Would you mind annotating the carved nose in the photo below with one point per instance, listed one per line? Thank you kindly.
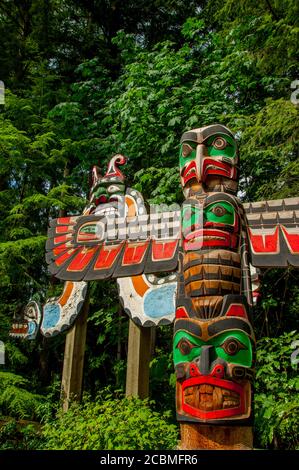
(205, 359)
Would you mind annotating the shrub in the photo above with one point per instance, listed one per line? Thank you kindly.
(15, 398)
(111, 423)
(18, 435)
(276, 399)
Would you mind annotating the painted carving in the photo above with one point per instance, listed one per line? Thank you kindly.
(60, 313)
(214, 364)
(214, 340)
(27, 322)
(149, 300)
(210, 252)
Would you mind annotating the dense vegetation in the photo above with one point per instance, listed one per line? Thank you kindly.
(85, 80)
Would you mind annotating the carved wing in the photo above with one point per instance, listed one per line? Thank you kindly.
(273, 228)
(147, 299)
(91, 247)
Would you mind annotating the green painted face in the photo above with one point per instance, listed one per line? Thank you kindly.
(233, 346)
(217, 145)
(215, 157)
(221, 145)
(109, 190)
(187, 153)
(221, 212)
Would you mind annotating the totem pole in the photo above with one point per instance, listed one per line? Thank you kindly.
(214, 341)
(207, 246)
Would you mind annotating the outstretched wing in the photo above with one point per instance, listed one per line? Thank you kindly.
(147, 299)
(273, 228)
(91, 247)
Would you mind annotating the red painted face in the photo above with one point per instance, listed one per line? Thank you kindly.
(213, 360)
(215, 224)
(209, 157)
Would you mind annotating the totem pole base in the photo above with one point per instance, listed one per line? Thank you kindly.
(204, 437)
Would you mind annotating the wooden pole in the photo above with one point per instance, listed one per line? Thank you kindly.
(200, 436)
(140, 345)
(73, 362)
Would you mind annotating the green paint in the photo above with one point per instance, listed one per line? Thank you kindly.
(229, 151)
(88, 229)
(183, 160)
(221, 212)
(243, 357)
(226, 214)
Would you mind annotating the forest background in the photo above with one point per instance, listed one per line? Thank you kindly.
(86, 80)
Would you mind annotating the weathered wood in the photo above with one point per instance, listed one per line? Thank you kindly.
(199, 436)
(73, 363)
(140, 345)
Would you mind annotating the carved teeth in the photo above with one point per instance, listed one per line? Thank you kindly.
(208, 397)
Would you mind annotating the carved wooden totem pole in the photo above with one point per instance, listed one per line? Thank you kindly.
(210, 247)
(213, 336)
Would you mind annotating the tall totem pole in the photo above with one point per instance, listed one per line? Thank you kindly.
(214, 341)
(207, 245)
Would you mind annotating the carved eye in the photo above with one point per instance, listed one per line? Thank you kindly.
(113, 189)
(232, 346)
(186, 150)
(185, 346)
(219, 211)
(219, 143)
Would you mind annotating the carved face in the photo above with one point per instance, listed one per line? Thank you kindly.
(208, 160)
(106, 191)
(110, 187)
(213, 361)
(26, 323)
(213, 222)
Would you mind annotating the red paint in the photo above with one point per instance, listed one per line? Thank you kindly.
(193, 370)
(102, 199)
(216, 414)
(63, 229)
(60, 249)
(134, 253)
(163, 250)
(113, 169)
(181, 313)
(226, 239)
(82, 259)
(292, 240)
(222, 169)
(236, 310)
(193, 172)
(64, 257)
(268, 243)
(62, 238)
(66, 220)
(107, 256)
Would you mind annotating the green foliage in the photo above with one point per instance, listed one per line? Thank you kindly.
(85, 80)
(19, 435)
(15, 398)
(277, 398)
(111, 424)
